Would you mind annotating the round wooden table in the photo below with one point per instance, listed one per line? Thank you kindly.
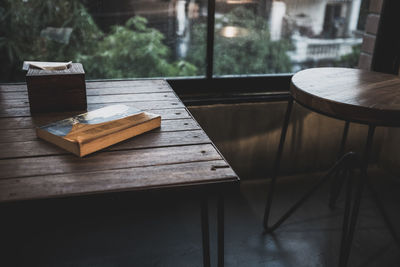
(351, 95)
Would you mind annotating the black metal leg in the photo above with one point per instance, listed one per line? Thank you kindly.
(339, 166)
(205, 232)
(345, 251)
(344, 139)
(346, 215)
(336, 187)
(338, 181)
(277, 164)
(342, 163)
(221, 226)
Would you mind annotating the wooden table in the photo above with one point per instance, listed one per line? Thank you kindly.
(351, 95)
(354, 95)
(178, 155)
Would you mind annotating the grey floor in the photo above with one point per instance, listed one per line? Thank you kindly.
(163, 229)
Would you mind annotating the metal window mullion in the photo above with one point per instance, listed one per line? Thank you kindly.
(210, 39)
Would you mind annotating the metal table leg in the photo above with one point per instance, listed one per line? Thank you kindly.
(348, 235)
(346, 215)
(221, 226)
(340, 165)
(343, 167)
(276, 166)
(338, 181)
(205, 232)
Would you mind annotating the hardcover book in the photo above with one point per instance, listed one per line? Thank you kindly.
(86, 133)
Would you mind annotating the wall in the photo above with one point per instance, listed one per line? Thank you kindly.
(369, 38)
(248, 135)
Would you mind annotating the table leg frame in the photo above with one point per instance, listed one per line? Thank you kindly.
(337, 168)
(338, 181)
(205, 229)
(205, 232)
(348, 235)
(344, 166)
(221, 229)
(275, 169)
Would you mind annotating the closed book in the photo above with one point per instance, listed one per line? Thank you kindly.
(89, 132)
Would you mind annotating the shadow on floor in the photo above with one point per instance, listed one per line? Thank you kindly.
(163, 229)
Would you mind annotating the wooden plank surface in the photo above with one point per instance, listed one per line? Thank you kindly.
(29, 134)
(35, 166)
(149, 84)
(178, 153)
(130, 179)
(23, 93)
(139, 86)
(40, 120)
(36, 148)
(11, 111)
(101, 99)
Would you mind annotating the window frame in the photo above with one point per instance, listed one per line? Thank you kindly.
(274, 87)
(386, 54)
(229, 88)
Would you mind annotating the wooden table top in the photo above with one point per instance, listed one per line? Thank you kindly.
(350, 94)
(177, 154)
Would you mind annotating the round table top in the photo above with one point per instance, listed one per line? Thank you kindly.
(349, 94)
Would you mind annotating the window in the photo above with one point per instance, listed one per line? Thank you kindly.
(168, 38)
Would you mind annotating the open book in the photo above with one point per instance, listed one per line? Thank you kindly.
(86, 133)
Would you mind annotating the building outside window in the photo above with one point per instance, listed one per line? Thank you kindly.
(168, 38)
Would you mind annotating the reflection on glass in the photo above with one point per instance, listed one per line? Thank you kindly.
(112, 39)
(241, 2)
(233, 31)
(286, 35)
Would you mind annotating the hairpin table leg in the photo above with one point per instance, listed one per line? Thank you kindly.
(205, 232)
(220, 222)
(348, 239)
(338, 180)
(276, 165)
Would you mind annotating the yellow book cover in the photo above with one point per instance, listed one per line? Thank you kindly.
(86, 133)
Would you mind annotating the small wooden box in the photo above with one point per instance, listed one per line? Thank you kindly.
(57, 90)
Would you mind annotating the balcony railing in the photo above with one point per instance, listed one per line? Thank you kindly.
(314, 49)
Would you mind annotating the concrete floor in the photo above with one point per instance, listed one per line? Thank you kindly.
(163, 229)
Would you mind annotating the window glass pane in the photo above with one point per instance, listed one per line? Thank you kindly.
(112, 39)
(272, 36)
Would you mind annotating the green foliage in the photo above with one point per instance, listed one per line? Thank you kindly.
(350, 60)
(252, 52)
(132, 50)
(21, 23)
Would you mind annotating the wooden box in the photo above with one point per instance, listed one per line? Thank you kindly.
(57, 90)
